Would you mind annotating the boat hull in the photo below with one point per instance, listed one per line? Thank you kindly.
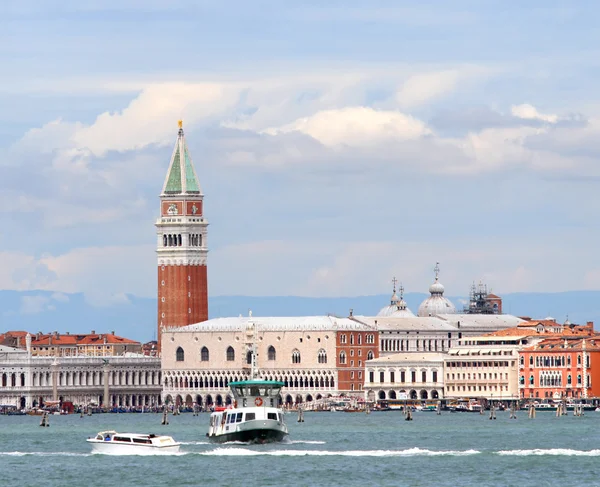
(112, 448)
(250, 436)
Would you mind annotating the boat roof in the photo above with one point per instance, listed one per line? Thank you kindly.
(257, 382)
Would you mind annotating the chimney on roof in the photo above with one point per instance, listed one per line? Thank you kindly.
(68, 333)
(93, 332)
(351, 311)
(112, 332)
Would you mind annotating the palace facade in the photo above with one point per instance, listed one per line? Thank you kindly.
(315, 356)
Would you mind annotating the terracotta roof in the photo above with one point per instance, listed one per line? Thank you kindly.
(531, 331)
(88, 339)
(493, 296)
(591, 343)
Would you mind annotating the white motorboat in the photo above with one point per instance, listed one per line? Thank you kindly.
(113, 443)
(255, 415)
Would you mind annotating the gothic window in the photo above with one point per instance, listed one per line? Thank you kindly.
(342, 338)
(531, 380)
(578, 359)
(342, 357)
(359, 339)
(179, 354)
(249, 357)
(522, 380)
(351, 338)
(322, 356)
(296, 357)
(271, 354)
(423, 376)
(370, 355)
(230, 354)
(579, 380)
(204, 354)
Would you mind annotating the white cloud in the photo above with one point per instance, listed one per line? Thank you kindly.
(529, 112)
(422, 88)
(356, 126)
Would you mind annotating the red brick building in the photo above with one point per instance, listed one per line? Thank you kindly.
(353, 349)
(181, 249)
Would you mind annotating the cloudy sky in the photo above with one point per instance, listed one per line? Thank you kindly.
(337, 146)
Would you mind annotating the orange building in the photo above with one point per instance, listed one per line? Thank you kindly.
(353, 349)
(564, 366)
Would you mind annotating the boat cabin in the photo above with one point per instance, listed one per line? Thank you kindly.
(256, 393)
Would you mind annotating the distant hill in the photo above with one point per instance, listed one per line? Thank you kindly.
(136, 317)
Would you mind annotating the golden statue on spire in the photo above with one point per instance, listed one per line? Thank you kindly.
(180, 123)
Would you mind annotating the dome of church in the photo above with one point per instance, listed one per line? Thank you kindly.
(397, 307)
(436, 304)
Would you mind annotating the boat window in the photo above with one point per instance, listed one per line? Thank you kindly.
(281, 417)
(231, 418)
(122, 438)
(238, 419)
(272, 416)
(240, 391)
(142, 440)
(254, 391)
(250, 416)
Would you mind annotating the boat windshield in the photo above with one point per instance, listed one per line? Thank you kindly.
(257, 390)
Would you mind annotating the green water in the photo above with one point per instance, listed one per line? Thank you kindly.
(349, 449)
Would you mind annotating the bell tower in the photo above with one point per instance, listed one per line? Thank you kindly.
(181, 246)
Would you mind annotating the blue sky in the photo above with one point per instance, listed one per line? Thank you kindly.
(337, 145)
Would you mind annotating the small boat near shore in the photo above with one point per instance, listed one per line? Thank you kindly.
(113, 443)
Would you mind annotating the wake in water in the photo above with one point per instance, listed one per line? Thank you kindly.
(552, 451)
(347, 453)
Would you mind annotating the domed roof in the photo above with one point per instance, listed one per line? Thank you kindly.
(397, 307)
(436, 303)
(436, 287)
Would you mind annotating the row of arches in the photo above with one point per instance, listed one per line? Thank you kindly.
(307, 381)
(96, 378)
(413, 345)
(225, 400)
(175, 240)
(13, 380)
(411, 394)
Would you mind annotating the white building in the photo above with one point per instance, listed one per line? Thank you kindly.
(28, 381)
(405, 376)
(433, 333)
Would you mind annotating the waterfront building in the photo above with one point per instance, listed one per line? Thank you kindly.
(405, 376)
(28, 381)
(564, 366)
(315, 356)
(491, 366)
(432, 333)
(181, 244)
(77, 345)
